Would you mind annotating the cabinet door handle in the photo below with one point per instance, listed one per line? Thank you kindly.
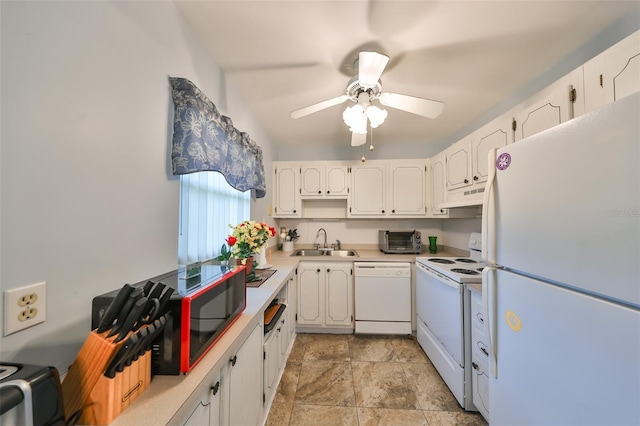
(328, 192)
(393, 211)
(476, 178)
(474, 365)
(294, 211)
(382, 211)
(215, 388)
(328, 270)
(318, 270)
(233, 360)
(466, 181)
(319, 192)
(484, 351)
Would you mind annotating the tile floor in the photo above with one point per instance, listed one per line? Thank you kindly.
(363, 380)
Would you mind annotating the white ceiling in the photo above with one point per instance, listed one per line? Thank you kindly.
(285, 55)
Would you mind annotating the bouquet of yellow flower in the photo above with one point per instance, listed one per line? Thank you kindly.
(248, 237)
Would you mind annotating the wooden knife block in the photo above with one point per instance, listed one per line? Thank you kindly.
(86, 388)
(90, 364)
(110, 396)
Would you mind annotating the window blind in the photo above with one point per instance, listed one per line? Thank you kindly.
(208, 205)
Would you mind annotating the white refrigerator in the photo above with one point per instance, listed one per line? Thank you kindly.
(561, 238)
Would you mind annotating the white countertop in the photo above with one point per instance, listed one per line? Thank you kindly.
(168, 398)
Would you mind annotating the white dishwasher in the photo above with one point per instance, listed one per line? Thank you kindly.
(382, 297)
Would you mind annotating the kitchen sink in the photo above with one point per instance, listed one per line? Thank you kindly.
(336, 253)
(308, 252)
(342, 253)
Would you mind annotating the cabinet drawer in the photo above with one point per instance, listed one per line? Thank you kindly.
(480, 351)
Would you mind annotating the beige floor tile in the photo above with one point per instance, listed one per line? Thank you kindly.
(288, 385)
(364, 380)
(279, 414)
(368, 348)
(321, 415)
(450, 418)
(390, 417)
(431, 391)
(382, 385)
(408, 349)
(299, 347)
(327, 347)
(325, 383)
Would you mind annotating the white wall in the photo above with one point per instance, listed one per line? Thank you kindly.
(88, 200)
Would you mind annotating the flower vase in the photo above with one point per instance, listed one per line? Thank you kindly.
(261, 257)
(248, 262)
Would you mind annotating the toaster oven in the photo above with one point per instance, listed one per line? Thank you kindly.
(202, 308)
(30, 395)
(404, 242)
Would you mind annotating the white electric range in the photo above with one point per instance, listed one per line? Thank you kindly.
(443, 309)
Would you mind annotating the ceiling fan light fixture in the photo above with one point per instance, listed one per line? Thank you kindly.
(376, 115)
(355, 118)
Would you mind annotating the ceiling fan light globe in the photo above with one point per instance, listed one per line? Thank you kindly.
(355, 118)
(376, 115)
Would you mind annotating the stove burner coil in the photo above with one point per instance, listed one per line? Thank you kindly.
(464, 271)
(443, 261)
(466, 261)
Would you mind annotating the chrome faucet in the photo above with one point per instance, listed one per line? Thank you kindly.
(337, 245)
(325, 236)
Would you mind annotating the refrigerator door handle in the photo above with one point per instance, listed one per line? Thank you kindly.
(488, 212)
(488, 302)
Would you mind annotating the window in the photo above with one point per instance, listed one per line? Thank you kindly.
(208, 205)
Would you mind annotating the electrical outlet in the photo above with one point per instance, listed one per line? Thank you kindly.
(24, 307)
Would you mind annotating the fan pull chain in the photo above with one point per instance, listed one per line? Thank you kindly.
(371, 148)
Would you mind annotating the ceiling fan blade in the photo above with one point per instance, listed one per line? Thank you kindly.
(318, 107)
(358, 139)
(419, 106)
(370, 67)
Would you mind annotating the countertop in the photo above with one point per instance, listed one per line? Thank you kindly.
(168, 399)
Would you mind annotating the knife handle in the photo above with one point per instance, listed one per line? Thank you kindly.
(147, 287)
(126, 308)
(112, 311)
(164, 300)
(132, 318)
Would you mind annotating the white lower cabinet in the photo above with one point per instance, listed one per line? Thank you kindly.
(273, 356)
(325, 294)
(234, 396)
(245, 381)
(200, 414)
(479, 355)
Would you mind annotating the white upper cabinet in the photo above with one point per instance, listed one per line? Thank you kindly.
(286, 194)
(324, 179)
(467, 162)
(458, 159)
(496, 134)
(438, 170)
(367, 197)
(557, 103)
(613, 74)
(407, 188)
(395, 188)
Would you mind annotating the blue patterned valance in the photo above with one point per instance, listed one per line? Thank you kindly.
(205, 140)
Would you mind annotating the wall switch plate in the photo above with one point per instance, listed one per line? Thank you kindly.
(24, 307)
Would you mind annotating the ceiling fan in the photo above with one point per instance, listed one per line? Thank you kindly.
(366, 88)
